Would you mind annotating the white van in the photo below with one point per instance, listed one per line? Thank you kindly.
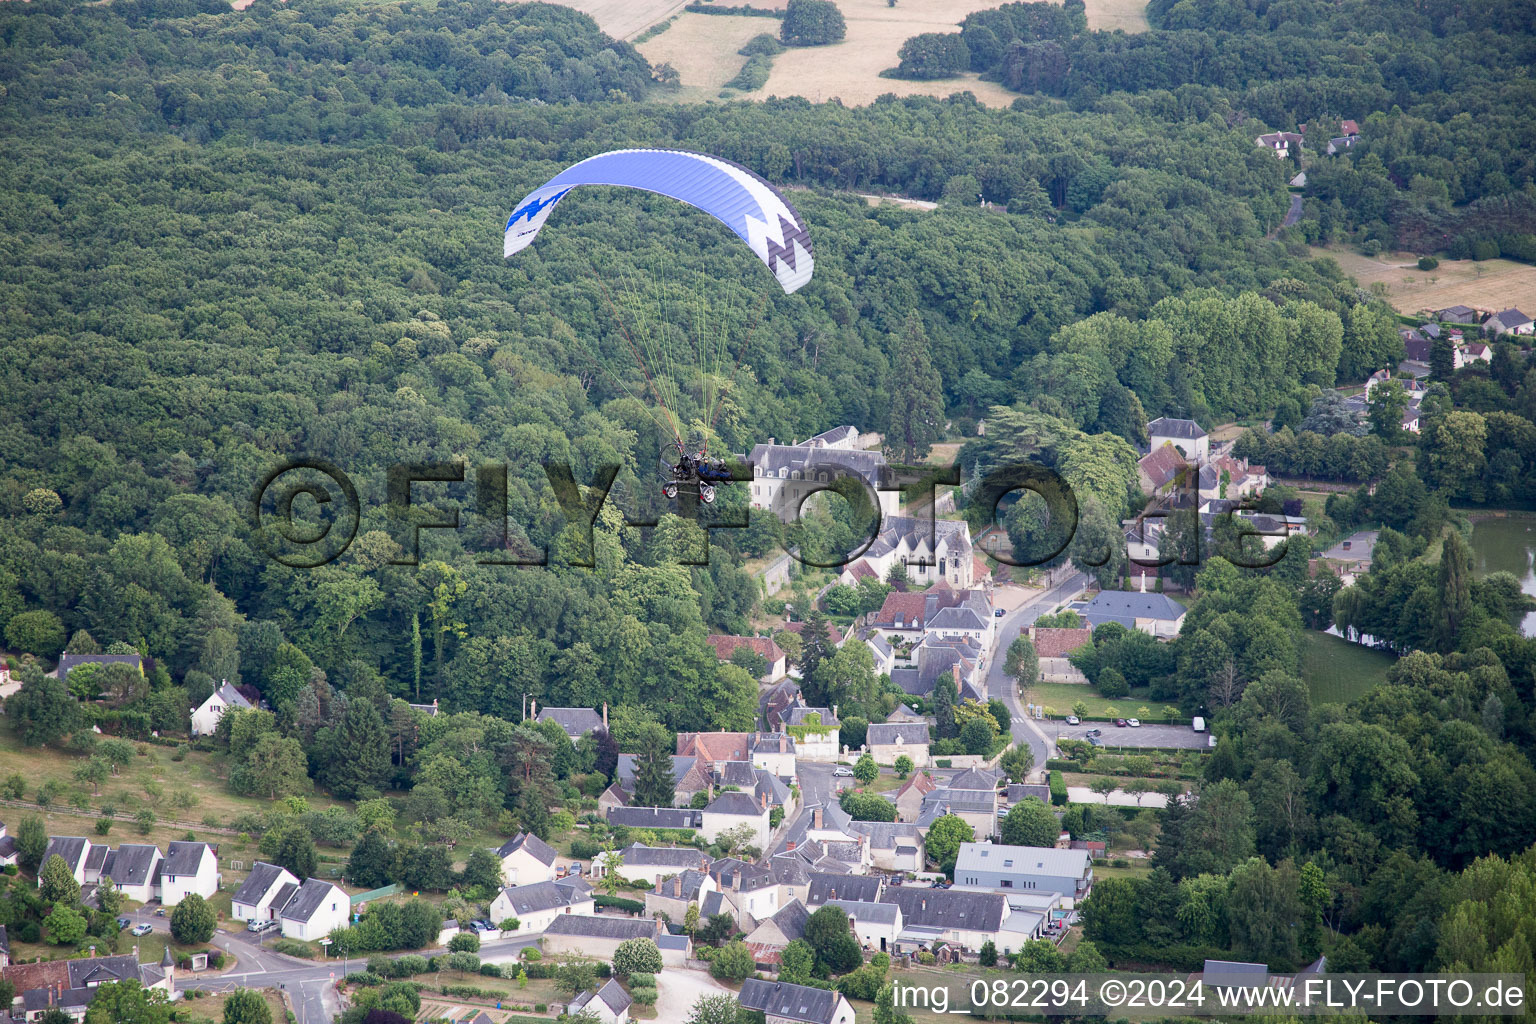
(1198, 723)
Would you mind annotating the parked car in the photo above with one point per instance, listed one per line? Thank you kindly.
(1074, 720)
(159, 911)
(1093, 733)
(1120, 723)
(842, 773)
(1134, 723)
(1094, 741)
(142, 929)
(123, 922)
(997, 613)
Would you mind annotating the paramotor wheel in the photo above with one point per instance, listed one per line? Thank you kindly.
(669, 491)
(706, 493)
(671, 457)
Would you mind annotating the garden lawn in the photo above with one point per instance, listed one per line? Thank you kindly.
(1059, 698)
(1337, 671)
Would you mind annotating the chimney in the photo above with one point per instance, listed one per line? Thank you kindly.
(605, 716)
(764, 801)
(790, 847)
(816, 818)
(834, 710)
(533, 708)
(923, 905)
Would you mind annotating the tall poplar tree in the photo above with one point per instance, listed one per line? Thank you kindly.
(917, 403)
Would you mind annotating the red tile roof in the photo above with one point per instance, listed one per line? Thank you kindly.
(1058, 643)
(920, 782)
(1162, 465)
(725, 646)
(833, 633)
(713, 746)
(981, 570)
(863, 570)
(907, 607)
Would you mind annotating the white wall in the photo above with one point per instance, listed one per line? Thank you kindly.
(205, 883)
(501, 909)
(716, 823)
(522, 868)
(334, 913)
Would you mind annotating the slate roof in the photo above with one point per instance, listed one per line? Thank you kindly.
(1126, 607)
(625, 772)
(682, 886)
(909, 733)
(303, 904)
(875, 913)
(7, 847)
(71, 848)
(183, 858)
(1023, 791)
(612, 995)
(131, 863)
(1235, 974)
(96, 858)
(542, 851)
(803, 716)
(740, 876)
(1510, 318)
(231, 697)
(790, 920)
(655, 817)
(605, 927)
(679, 857)
(284, 896)
(1166, 426)
(530, 899)
(576, 722)
(1457, 310)
(948, 908)
(772, 743)
(793, 1002)
(666, 940)
(69, 661)
(256, 884)
(99, 970)
(976, 779)
(957, 618)
(852, 888)
(771, 786)
(1055, 642)
(809, 460)
(736, 773)
(916, 532)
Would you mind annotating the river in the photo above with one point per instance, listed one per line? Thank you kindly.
(1508, 545)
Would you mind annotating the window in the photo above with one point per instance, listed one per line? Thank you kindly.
(1007, 883)
(941, 567)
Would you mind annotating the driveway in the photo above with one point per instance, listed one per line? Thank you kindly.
(1165, 737)
(677, 989)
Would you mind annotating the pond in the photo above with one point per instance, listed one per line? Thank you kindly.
(1508, 545)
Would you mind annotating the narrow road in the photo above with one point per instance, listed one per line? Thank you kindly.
(999, 685)
(1291, 216)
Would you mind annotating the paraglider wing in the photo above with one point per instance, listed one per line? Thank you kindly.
(730, 193)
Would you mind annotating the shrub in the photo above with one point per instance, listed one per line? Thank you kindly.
(1058, 789)
(464, 942)
(293, 947)
(1428, 263)
(766, 45)
(753, 74)
(530, 954)
(103, 826)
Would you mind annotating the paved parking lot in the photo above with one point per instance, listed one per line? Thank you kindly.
(1172, 737)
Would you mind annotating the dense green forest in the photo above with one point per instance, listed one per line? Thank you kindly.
(237, 237)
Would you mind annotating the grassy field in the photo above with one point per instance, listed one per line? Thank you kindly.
(1060, 697)
(211, 1006)
(702, 47)
(1338, 671)
(1126, 15)
(1489, 284)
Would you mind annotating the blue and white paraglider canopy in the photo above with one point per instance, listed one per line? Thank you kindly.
(730, 193)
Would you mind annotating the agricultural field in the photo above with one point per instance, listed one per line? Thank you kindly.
(1125, 15)
(1338, 671)
(624, 19)
(1485, 284)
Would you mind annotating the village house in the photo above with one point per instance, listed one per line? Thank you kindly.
(680, 818)
(688, 777)
(189, 868)
(1186, 435)
(1162, 470)
(132, 868)
(609, 1003)
(1280, 143)
(773, 752)
(771, 935)
(595, 936)
(1157, 615)
(765, 647)
(673, 894)
(1053, 650)
(205, 717)
(931, 550)
(1068, 873)
(909, 798)
(8, 853)
(525, 859)
(315, 910)
(783, 1003)
(68, 986)
(887, 741)
(536, 905)
(76, 851)
(68, 662)
(877, 926)
(649, 864)
(1508, 321)
(1232, 479)
(748, 892)
(263, 893)
(1456, 315)
(816, 732)
(734, 810)
(575, 722)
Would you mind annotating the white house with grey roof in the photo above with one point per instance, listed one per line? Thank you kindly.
(536, 905)
(525, 859)
(609, 1004)
(76, 851)
(1157, 615)
(188, 868)
(134, 870)
(966, 918)
(596, 936)
(673, 894)
(1000, 868)
(205, 717)
(257, 897)
(1186, 435)
(315, 910)
(785, 475)
(649, 864)
(877, 926)
(783, 1003)
(889, 740)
